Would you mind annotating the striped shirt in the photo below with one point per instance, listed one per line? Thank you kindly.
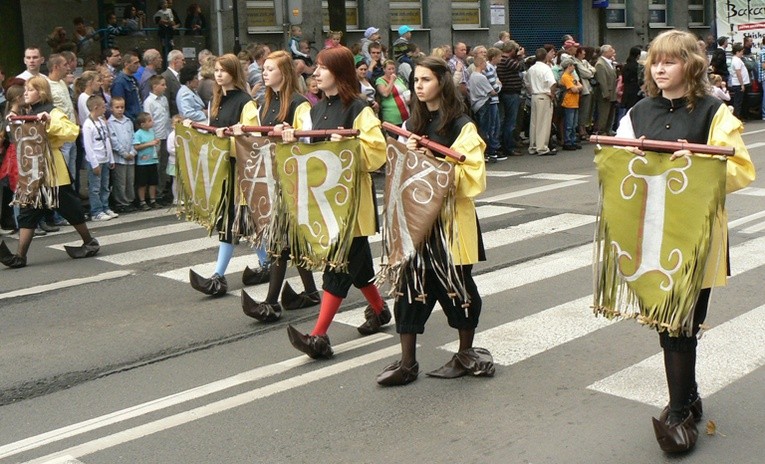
(509, 73)
(491, 74)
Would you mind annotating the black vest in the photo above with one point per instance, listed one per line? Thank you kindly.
(661, 119)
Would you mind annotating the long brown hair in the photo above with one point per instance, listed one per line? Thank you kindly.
(230, 63)
(450, 104)
(42, 86)
(339, 61)
(289, 83)
(681, 46)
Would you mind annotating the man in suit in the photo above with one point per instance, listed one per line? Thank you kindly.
(605, 74)
(719, 60)
(174, 64)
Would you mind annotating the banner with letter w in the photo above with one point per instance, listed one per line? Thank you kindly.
(654, 235)
(203, 175)
(317, 201)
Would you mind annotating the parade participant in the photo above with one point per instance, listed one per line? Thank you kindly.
(230, 105)
(284, 105)
(59, 129)
(680, 108)
(343, 106)
(439, 114)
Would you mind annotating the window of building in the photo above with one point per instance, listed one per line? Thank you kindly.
(657, 13)
(697, 13)
(616, 13)
(351, 15)
(466, 14)
(263, 16)
(405, 14)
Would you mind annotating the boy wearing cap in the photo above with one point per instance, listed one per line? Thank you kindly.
(401, 45)
(371, 35)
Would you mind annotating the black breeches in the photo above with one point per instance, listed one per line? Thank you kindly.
(699, 315)
(360, 271)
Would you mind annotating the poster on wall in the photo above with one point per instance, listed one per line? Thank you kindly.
(741, 18)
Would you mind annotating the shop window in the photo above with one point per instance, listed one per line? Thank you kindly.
(657, 13)
(405, 14)
(351, 15)
(616, 13)
(697, 10)
(263, 16)
(466, 15)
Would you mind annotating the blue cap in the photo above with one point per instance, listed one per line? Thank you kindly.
(404, 29)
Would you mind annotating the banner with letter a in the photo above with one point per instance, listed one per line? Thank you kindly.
(203, 175)
(37, 176)
(318, 201)
(255, 171)
(654, 235)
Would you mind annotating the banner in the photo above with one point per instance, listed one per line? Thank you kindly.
(255, 170)
(37, 176)
(318, 200)
(203, 175)
(418, 191)
(739, 18)
(654, 235)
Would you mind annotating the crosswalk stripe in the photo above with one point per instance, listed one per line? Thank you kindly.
(137, 234)
(755, 144)
(505, 173)
(554, 176)
(530, 191)
(162, 251)
(751, 191)
(236, 265)
(745, 219)
(66, 284)
(754, 228)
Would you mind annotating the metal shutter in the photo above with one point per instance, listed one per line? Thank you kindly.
(534, 23)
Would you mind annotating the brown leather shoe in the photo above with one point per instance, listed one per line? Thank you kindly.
(214, 286)
(86, 250)
(9, 259)
(396, 374)
(315, 346)
(695, 406)
(676, 438)
(292, 300)
(374, 321)
(264, 312)
(477, 362)
(259, 276)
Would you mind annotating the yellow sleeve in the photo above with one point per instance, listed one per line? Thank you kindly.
(250, 114)
(470, 176)
(301, 112)
(372, 140)
(61, 130)
(726, 131)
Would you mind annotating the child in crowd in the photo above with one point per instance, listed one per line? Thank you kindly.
(123, 175)
(296, 36)
(177, 119)
(314, 94)
(333, 39)
(571, 86)
(146, 175)
(719, 88)
(157, 106)
(98, 153)
(86, 86)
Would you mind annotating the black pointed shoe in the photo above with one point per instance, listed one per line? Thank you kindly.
(396, 374)
(676, 438)
(374, 321)
(259, 276)
(216, 285)
(695, 407)
(292, 300)
(9, 259)
(477, 362)
(315, 346)
(86, 250)
(264, 312)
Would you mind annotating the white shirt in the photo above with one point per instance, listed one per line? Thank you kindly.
(738, 64)
(540, 78)
(61, 98)
(95, 139)
(159, 110)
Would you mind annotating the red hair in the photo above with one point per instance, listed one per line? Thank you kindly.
(339, 61)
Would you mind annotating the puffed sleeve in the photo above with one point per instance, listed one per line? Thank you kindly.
(61, 130)
(250, 114)
(302, 112)
(726, 130)
(470, 175)
(372, 139)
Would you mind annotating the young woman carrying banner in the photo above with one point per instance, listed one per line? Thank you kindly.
(284, 105)
(59, 129)
(439, 114)
(343, 106)
(231, 104)
(679, 107)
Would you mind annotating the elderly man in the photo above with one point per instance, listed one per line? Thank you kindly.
(152, 61)
(458, 64)
(175, 62)
(540, 83)
(605, 74)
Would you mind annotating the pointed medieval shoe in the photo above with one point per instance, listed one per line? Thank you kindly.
(292, 300)
(9, 259)
(264, 312)
(695, 407)
(676, 438)
(477, 362)
(86, 250)
(374, 321)
(259, 276)
(216, 285)
(315, 346)
(396, 374)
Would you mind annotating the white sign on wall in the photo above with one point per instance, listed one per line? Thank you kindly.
(741, 18)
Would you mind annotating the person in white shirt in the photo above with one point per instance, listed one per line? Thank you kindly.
(98, 153)
(540, 83)
(33, 59)
(157, 106)
(123, 177)
(739, 78)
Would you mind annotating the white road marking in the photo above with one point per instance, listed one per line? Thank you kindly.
(751, 191)
(754, 132)
(553, 176)
(66, 284)
(222, 405)
(505, 173)
(755, 145)
(530, 191)
(161, 251)
(236, 265)
(745, 219)
(754, 228)
(139, 234)
(64, 460)
(253, 375)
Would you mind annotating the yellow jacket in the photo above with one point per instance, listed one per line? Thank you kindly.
(60, 130)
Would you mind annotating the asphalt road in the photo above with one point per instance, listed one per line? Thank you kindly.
(117, 359)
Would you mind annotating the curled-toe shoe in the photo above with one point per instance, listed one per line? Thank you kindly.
(374, 321)
(292, 300)
(264, 312)
(258, 276)
(678, 437)
(396, 374)
(315, 346)
(216, 285)
(477, 362)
